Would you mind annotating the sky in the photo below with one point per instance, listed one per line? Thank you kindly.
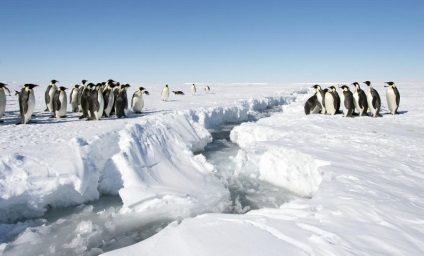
(176, 42)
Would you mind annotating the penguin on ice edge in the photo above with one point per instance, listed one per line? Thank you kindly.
(121, 104)
(346, 100)
(392, 96)
(60, 103)
(49, 94)
(26, 103)
(96, 107)
(3, 90)
(137, 101)
(360, 100)
(373, 99)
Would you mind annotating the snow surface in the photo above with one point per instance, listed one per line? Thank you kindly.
(360, 180)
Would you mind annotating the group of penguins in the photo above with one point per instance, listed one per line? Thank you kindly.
(93, 100)
(328, 101)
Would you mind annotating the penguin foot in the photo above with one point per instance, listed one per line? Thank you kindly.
(19, 123)
(1, 121)
(137, 112)
(62, 116)
(90, 119)
(81, 117)
(53, 116)
(46, 110)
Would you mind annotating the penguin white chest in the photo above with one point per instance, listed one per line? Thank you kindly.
(52, 91)
(63, 104)
(31, 107)
(391, 100)
(165, 94)
(138, 102)
(329, 104)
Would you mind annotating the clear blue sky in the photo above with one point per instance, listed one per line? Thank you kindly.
(211, 41)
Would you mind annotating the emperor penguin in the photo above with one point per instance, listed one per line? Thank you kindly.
(330, 101)
(109, 97)
(165, 93)
(193, 89)
(86, 101)
(373, 99)
(346, 100)
(48, 95)
(97, 103)
(80, 92)
(312, 105)
(392, 96)
(320, 97)
(3, 90)
(336, 98)
(207, 89)
(60, 103)
(121, 104)
(26, 103)
(73, 98)
(137, 102)
(360, 100)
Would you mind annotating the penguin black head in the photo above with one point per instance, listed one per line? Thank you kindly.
(54, 81)
(30, 86)
(83, 82)
(356, 84)
(390, 84)
(317, 86)
(16, 93)
(76, 86)
(333, 88)
(2, 85)
(90, 85)
(127, 85)
(368, 83)
(166, 85)
(344, 87)
(62, 88)
(140, 88)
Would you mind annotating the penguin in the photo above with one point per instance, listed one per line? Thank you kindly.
(86, 101)
(165, 93)
(312, 105)
(336, 98)
(207, 89)
(146, 92)
(330, 101)
(360, 100)
(373, 99)
(17, 93)
(346, 100)
(320, 96)
(73, 98)
(26, 103)
(137, 102)
(48, 95)
(109, 97)
(392, 96)
(3, 90)
(193, 89)
(80, 92)
(121, 104)
(97, 103)
(60, 102)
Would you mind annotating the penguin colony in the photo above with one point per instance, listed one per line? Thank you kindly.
(328, 101)
(94, 101)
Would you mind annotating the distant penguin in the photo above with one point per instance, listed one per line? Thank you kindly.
(48, 96)
(193, 89)
(360, 100)
(336, 98)
(60, 102)
(121, 104)
(165, 93)
(373, 99)
(346, 100)
(86, 101)
(330, 101)
(26, 103)
(137, 102)
(320, 96)
(80, 92)
(109, 97)
(392, 96)
(73, 98)
(97, 103)
(3, 89)
(312, 105)
(207, 89)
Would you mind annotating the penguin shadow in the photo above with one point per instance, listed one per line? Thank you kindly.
(398, 113)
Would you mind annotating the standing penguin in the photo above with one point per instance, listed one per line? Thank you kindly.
(392, 96)
(60, 102)
(346, 100)
(48, 95)
(3, 89)
(121, 104)
(193, 89)
(330, 101)
(109, 97)
(80, 92)
(320, 97)
(86, 101)
(373, 99)
(97, 103)
(26, 103)
(137, 102)
(73, 98)
(207, 89)
(312, 105)
(336, 98)
(360, 100)
(165, 93)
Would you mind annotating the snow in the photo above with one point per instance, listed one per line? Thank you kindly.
(359, 180)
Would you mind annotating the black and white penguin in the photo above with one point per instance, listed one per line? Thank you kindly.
(312, 105)
(3, 90)
(320, 96)
(373, 99)
(346, 100)
(60, 102)
(336, 98)
(137, 101)
(80, 92)
(26, 103)
(48, 95)
(97, 103)
(392, 96)
(73, 98)
(193, 89)
(330, 101)
(165, 93)
(86, 101)
(109, 97)
(360, 100)
(121, 104)
(207, 89)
